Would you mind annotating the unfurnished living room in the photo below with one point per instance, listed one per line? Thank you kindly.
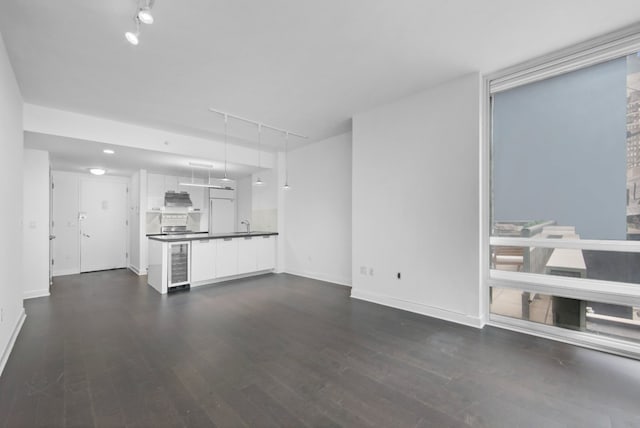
(320, 214)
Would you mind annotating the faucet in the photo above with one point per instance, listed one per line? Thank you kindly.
(248, 225)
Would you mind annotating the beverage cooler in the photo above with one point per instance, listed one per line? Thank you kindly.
(179, 264)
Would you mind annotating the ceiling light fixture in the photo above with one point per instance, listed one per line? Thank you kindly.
(108, 151)
(259, 181)
(97, 171)
(286, 162)
(134, 38)
(208, 184)
(144, 13)
(225, 178)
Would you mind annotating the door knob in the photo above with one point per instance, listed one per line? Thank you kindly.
(86, 236)
(51, 237)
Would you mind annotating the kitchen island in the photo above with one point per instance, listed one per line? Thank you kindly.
(178, 261)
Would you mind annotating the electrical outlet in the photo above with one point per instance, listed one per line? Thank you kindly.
(370, 271)
(363, 270)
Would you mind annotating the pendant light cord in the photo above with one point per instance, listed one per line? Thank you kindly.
(259, 143)
(225, 146)
(286, 158)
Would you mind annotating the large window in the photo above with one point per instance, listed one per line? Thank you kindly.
(565, 201)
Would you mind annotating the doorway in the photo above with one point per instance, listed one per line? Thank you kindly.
(103, 225)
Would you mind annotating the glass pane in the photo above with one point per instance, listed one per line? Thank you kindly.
(621, 322)
(566, 152)
(602, 265)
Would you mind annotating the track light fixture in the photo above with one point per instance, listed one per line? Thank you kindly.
(143, 15)
(134, 37)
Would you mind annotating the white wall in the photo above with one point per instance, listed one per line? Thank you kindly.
(134, 223)
(264, 201)
(317, 211)
(66, 246)
(35, 228)
(416, 203)
(11, 148)
(244, 195)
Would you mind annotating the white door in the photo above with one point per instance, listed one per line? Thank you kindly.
(103, 227)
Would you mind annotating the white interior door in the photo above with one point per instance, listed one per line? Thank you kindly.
(103, 227)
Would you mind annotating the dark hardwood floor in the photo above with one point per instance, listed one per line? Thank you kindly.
(106, 350)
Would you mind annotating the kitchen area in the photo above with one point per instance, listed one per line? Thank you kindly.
(193, 236)
(181, 220)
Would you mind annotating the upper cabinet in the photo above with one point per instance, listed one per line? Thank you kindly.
(155, 192)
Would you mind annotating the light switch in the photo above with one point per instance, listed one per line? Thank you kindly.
(32, 225)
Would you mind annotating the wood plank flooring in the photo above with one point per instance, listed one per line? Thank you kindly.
(106, 350)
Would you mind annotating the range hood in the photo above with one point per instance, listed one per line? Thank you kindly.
(177, 199)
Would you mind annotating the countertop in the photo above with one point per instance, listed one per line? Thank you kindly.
(149, 235)
(201, 236)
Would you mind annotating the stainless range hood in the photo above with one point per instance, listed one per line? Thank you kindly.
(177, 199)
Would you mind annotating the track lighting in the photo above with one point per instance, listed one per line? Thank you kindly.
(143, 15)
(134, 38)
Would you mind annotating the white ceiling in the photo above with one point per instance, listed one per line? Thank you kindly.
(307, 66)
(70, 154)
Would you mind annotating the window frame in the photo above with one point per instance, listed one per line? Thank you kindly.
(595, 51)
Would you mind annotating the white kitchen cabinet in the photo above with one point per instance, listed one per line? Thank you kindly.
(227, 257)
(203, 260)
(155, 192)
(247, 254)
(266, 252)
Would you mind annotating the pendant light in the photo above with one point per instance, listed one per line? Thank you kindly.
(286, 162)
(259, 181)
(225, 178)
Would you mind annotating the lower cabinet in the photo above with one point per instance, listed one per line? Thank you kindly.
(247, 254)
(227, 257)
(203, 260)
(266, 252)
(219, 258)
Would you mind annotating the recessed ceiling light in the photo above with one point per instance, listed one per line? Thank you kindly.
(108, 151)
(97, 171)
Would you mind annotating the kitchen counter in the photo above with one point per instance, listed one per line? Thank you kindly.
(195, 259)
(200, 236)
(148, 235)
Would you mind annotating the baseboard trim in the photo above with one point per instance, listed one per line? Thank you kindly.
(418, 308)
(64, 272)
(137, 270)
(318, 277)
(12, 340)
(36, 293)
